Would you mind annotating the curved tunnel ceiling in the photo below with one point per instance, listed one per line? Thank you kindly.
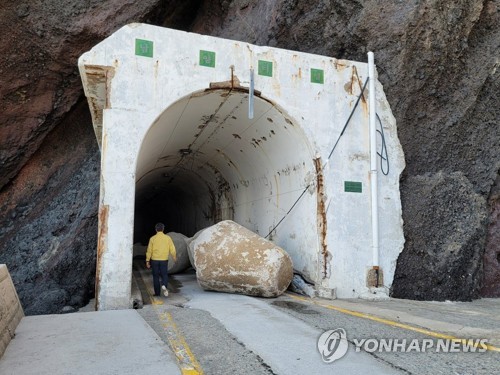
(205, 151)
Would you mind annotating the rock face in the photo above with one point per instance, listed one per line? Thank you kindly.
(48, 229)
(442, 259)
(436, 60)
(491, 279)
(230, 258)
(40, 80)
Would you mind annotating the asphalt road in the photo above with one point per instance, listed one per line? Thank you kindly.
(219, 333)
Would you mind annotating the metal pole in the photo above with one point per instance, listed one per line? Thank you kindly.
(373, 161)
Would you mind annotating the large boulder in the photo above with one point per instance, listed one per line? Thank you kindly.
(139, 251)
(190, 250)
(230, 258)
(182, 262)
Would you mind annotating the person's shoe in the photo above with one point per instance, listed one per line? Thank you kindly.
(165, 291)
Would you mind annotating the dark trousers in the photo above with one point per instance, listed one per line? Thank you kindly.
(160, 267)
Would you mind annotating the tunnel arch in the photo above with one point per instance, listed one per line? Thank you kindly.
(203, 160)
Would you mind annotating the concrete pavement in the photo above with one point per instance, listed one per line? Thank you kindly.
(286, 344)
(107, 342)
(214, 333)
(476, 319)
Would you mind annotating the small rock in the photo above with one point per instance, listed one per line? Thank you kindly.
(67, 309)
(23, 10)
(298, 285)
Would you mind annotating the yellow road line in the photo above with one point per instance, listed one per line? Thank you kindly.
(387, 321)
(156, 301)
(188, 363)
(185, 357)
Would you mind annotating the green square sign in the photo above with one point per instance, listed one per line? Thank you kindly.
(207, 58)
(265, 68)
(317, 76)
(353, 187)
(144, 48)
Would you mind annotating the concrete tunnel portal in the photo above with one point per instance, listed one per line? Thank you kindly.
(204, 160)
(195, 129)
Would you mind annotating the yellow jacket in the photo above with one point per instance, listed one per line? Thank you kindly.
(159, 247)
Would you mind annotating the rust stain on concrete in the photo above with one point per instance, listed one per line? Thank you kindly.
(349, 87)
(101, 248)
(321, 210)
(98, 93)
(339, 66)
(364, 94)
(99, 82)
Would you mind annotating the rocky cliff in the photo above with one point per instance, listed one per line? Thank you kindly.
(436, 59)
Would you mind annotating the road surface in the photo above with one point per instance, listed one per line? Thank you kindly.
(219, 333)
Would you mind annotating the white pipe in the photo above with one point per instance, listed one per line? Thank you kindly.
(373, 160)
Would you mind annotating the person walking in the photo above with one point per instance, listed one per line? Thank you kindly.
(159, 248)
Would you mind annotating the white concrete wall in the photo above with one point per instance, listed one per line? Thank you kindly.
(143, 95)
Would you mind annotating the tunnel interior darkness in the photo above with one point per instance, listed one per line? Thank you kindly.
(203, 160)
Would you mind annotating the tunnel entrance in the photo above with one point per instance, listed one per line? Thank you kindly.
(178, 144)
(204, 160)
